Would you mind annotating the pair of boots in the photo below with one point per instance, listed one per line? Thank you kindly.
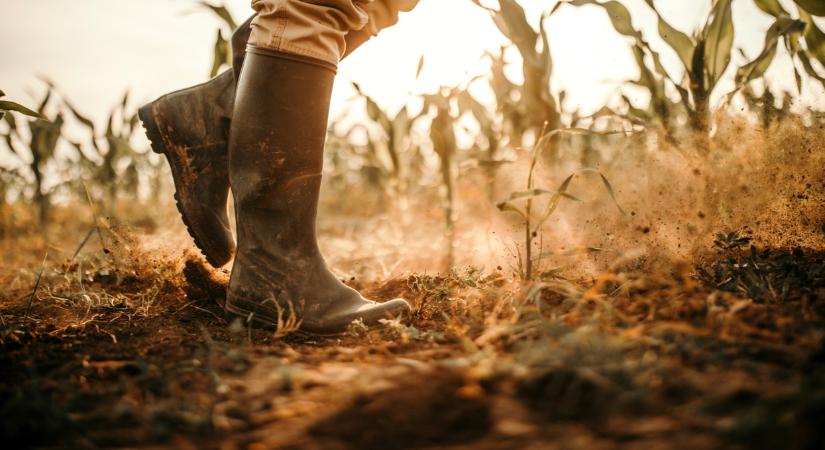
(264, 136)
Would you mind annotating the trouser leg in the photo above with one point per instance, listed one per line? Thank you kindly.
(326, 30)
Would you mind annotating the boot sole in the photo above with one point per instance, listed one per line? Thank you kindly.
(146, 115)
(232, 311)
(257, 316)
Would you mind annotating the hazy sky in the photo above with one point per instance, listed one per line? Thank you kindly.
(95, 49)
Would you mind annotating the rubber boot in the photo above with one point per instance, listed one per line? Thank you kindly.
(191, 128)
(275, 163)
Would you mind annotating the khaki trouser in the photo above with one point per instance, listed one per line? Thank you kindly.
(320, 28)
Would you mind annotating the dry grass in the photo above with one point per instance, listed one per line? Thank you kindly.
(665, 341)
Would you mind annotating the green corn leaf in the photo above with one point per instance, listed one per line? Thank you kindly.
(619, 15)
(554, 202)
(718, 37)
(815, 7)
(530, 193)
(814, 37)
(42, 108)
(622, 22)
(12, 123)
(607, 186)
(577, 251)
(809, 68)
(80, 117)
(771, 7)
(221, 54)
(125, 100)
(6, 105)
(611, 192)
(757, 68)
(678, 41)
(509, 207)
(537, 192)
(110, 129)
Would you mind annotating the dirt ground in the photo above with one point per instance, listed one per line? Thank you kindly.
(124, 346)
(112, 338)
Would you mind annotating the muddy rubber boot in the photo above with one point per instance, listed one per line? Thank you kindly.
(275, 162)
(191, 128)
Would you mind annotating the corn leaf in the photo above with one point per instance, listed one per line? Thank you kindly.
(530, 193)
(512, 22)
(80, 117)
(619, 15)
(509, 207)
(757, 68)
(221, 54)
(815, 7)
(718, 37)
(6, 105)
(622, 22)
(42, 108)
(814, 37)
(554, 202)
(607, 186)
(809, 68)
(771, 7)
(611, 192)
(577, 251)
(678, 41)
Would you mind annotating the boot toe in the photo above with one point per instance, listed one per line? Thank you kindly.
(369, 312)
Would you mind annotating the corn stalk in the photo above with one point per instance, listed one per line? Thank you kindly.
(108, 161)
(704, 56)
(43, 135)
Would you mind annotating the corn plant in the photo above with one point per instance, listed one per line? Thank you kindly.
(705, 56)
(10, 178)
(222, 49)
(531, 195)
(390, 153)
(538, 105)
(35, 148)
(764, 105)
(491, 138)
(109, 163)
(443, 139)
(794, 33)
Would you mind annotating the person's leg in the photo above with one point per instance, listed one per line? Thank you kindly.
(276, 158)
(193, 125)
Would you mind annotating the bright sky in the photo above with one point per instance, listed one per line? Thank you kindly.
(95, 49)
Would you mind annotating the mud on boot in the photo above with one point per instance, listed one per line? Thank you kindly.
(191, 128)
(275, 163)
